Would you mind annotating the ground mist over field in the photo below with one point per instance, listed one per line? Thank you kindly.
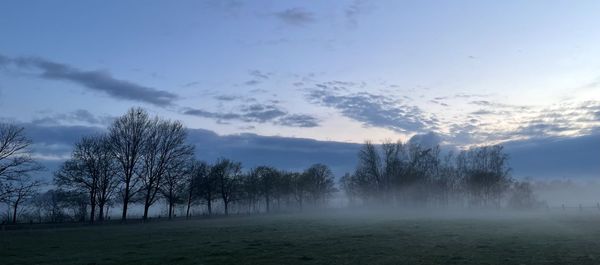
(367, 236)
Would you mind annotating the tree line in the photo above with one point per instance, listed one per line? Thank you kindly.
(414, 175)
(142, 160)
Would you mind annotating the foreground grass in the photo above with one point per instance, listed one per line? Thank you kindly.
(327, 239)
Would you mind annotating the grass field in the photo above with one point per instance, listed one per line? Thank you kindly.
(325, 239)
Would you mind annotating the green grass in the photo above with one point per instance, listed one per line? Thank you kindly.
(328, 239)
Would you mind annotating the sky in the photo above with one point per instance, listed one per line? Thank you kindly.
(520, 73)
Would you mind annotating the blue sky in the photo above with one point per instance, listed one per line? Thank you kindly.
(473, 72)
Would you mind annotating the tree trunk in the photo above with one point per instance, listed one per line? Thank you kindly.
(92, 207)
(101, 212)
(267, 203)
(146, 207)
(209, 205)
(125, 202)
(189, 204)
(170, 210)
(14, 217)
(226, 203)
(187, 211)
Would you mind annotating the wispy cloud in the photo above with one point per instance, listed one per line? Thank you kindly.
(373, 109)
(93, 80)
(295, 16)
(257, 77)
(299, 120)
(355, 10)
(258, 113)
(77, 116)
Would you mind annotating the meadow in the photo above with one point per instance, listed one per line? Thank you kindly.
(326, 238)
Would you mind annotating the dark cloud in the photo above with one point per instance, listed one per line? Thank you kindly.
(53, 144)
(295, 16)
(252, 82)
(543, 157)
(259, 113)
(77, 116)
(483, 112)
(213, 115)
(262, 113)
(374, 110)
(491, 104)
(299, 120)
(355, 10)
(57, 139)
(227, 97)
(259, 75)
(4, 61)
(96, 81)
(438, 102)
(283, 152)
(556, 157)
(191, 84)
(427, 140)
(465, 95)
(537, 129)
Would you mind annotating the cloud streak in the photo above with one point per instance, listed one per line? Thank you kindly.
(258, 113)
(99, 81)
(295, 16)
(373, 110)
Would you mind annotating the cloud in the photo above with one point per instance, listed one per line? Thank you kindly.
(227, 97)
(95, 80)
(354, 11)
(262, 113)
(259, 75)
(427, 140)
(258, 113)
(540, 129)
(299, 120)
(295, 16)
(491, 104)
(191, 84)
(252, 82)
(53, 144)
(374, 110)
(283, 152)
(556, 157)
(543, 157)
(76, 116)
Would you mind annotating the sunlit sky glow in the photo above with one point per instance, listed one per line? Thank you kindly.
(472, 71)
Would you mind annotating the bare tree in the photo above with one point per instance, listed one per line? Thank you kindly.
(165, 150)
(227, 174)
(128, 136)
(299, 188)
(48, 206)
(15, 157)
(197, 172)
(487, 174)
(267, 178)
(108, 181)
(21, 189)
(90, 170)
(205, 183)
(173, 188)
(319, 182)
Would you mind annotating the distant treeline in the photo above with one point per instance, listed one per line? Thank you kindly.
(415, 175)
(143, 160)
